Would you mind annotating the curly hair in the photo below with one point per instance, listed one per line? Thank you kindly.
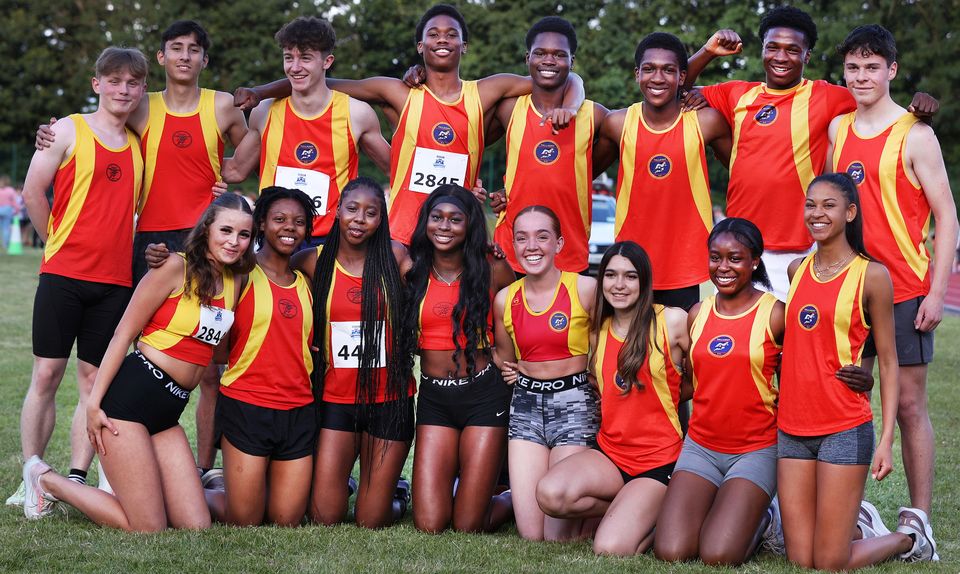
(470, 314)
(272, 194)
(662, 41)
(869, 40)
(381, 302)
(553, 24)
(201, 275)
(441, 10)
(790, 17)
(643, 327)
(307, 33)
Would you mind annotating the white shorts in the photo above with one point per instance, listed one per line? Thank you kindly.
(776, 263)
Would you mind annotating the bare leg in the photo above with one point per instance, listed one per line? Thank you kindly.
(528, 461)
(435, 465)
(81, 451)
(206, 407)
(685, 507)
(626, 528)
(182, 493)
(797, 488)
(245, 486)
(336, 453)
(39, 413)
(729, 532)
(557, 529)
(481, 455)
(380, 464)
(916, 436)
(289, 490)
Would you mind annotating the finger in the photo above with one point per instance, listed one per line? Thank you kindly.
(99, 444)
(108, 424)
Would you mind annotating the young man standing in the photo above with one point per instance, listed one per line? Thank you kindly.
(182, 129)
(898, 167)
(779, 131)
(96, 168)
(310, 139)
(545, 167)
(663, 195)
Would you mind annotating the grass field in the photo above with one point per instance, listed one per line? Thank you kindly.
(73, 544)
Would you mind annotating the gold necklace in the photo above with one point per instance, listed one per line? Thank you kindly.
(831, 269)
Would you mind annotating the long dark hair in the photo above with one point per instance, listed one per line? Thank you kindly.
(201, 275)
(848, 188)
(748, 235)
(272, 194)
(382, 295)
(470, 314)
(643, 327)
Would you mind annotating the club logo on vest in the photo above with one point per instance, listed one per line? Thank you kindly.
(766, 115)
(181, 139)
(355, 295)
(547, 152)
(559, 321)
(856, 172)
(287, 308)
(443, 134)
(442, 309)
(660, 166)
(809, 317)
(621, 384)
(307, 153)
(720, 346)
(113, 172)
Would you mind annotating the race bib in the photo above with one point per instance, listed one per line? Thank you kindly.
(345, 342)
(314, 183)
(214, 324)
(432, 168)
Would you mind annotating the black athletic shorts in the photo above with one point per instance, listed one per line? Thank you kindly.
(143, 393)
(377, 420)
(261, 431)
(684, 297)
(483, 401)
(913, 347)
(67, 310)
(661, 474)
(174, 240)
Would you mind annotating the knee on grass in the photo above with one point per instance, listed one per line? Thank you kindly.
(610, 546)
(674, 550)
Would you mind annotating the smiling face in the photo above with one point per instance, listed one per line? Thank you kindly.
(535, 242)
(285, 226)
(549, 60)
(785, 53)
(229, 236)
(306, 69)
(183, 59)
(360, 213)
(442, 43)
(621, 283)
(446, 227)
(731, 264)
(826, 211)
(119, 91)
(659, 77)
(868, 76)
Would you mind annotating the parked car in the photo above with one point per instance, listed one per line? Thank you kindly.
(601, 230)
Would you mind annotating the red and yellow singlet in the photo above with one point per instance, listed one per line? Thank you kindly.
(663, 199)
(436, 310)
(181, 155)
(780, 144)
(826, 328)
(734, 358)
(317, 155)
(639, 428)
(435, 143)
(270, 360)
(558, 332)
(186, 330)
(896, 214)
(96, 190)
(555, 171)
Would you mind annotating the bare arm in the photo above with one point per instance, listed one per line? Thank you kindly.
(878, 295)
(42, 171)
(679, 336)
(832, 130)
(247, 155)
(230, 119)
(926, 160)
(503, 344)
(247, 98)
(716, 133)
(364, 121)
(607, 147)
(722, 43)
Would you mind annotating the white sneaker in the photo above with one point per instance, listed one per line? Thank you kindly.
(213, 479)
(772, 538)
(869, 521)
(16, 499)
(36, 503)
(914, 523)
(103, 484)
